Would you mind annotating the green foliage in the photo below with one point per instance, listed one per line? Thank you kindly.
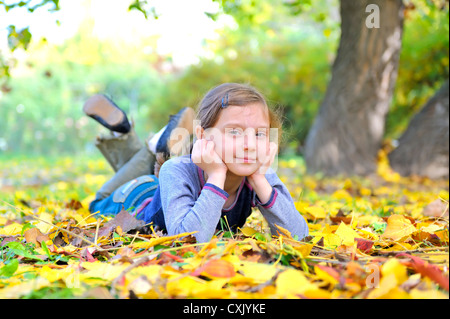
(287, 57)
(424, 62)
(43, 109)
(286, 49)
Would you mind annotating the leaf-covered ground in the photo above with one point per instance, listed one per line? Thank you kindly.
(378, 237)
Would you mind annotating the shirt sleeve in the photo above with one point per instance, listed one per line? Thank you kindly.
(280, 209)
(184, 209)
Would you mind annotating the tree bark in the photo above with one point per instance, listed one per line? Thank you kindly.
(423, 148)
(348, 130)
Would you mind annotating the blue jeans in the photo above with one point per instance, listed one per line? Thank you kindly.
(129, 196)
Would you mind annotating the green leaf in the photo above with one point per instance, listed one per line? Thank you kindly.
(9, 269)
(20, 250)
(45, 249)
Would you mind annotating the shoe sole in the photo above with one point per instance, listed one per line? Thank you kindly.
(99, 105)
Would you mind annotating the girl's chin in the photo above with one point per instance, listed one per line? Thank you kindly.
(245, 169)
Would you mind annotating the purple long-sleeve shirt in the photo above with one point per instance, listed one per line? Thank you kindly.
(184, 202)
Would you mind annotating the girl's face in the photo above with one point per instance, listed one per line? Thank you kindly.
(241, 137)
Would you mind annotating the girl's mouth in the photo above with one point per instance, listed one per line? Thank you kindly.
(245, 160)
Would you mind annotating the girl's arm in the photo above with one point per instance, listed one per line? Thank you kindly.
(184, 209)
(279, 208)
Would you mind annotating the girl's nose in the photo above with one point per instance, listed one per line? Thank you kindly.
(249, 141)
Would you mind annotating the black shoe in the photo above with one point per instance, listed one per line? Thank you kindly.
(107, 113)
(183, 119)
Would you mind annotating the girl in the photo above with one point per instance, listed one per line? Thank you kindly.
(226, 175)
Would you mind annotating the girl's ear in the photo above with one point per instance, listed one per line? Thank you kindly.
(199, 132)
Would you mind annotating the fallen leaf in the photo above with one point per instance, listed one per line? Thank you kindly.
(34, 235)
(316, 212)
(124, 220)
(45, 222)
(159, 240)
(291, 283)
(217, 268)
(11, 229)
(398, 227)
(341, 217)
(327, 274)
(248, 231)
(395, 267)
(346, 234)
(365, 245)
(429, 270)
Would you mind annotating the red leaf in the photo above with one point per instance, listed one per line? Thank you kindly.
(331, 271)
(364, 245)
(429, 270)
(216, 268)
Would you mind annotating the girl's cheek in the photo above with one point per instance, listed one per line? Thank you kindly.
(263, 149)
(228, 149)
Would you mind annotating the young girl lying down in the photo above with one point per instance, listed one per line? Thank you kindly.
(226, 174)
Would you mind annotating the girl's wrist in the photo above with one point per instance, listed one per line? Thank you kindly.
(261, 186)
(217, 178)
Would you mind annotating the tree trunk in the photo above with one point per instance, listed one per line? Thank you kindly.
(348, 130)
(424, 147)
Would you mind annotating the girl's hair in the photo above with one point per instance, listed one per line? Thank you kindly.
(236, 94)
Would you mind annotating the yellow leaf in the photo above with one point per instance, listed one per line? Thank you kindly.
(342, 194)
(159, 240)
(398, 227)
(11, 229)
(324, 276)
(431, 229)
(3, 220)
(330, 240)
(316, 212)
(346, 234)
(260, 273)
(387, 283)
(284, 232)
(23, 288)
(98, 269)
(427, 294)
(185, 286)
(304, 249)
(248, 231)
(393, 266)
(291, 283)
(365, 191)
(45, 222)
(317, 294)
(56, 274)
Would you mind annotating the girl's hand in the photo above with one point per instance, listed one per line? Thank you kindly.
(258, 179)
(205, 156)
(267, 161)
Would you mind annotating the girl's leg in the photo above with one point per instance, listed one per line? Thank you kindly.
(130, 196)
(142, 163)
(129, 158)
(123, 150)
(118, 150)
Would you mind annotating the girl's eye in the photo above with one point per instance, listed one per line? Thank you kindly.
(260, 134)
(235, 132)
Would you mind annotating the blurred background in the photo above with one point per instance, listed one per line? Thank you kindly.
(155, 57)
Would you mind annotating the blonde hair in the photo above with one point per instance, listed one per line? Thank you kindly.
(236, 94)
